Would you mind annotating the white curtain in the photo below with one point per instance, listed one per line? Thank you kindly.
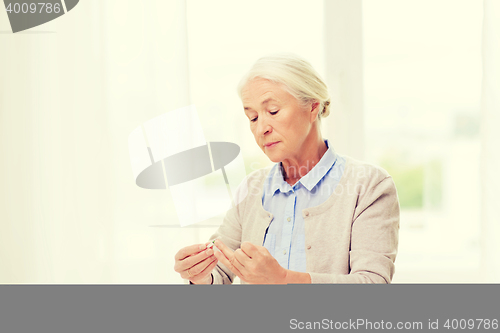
(344, 75)
(490, 139)
(71, 91)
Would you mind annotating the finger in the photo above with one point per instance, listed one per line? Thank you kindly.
(197, 270)
(228, 263)
(198, 258)
(204, 248)
(249, 249)
(239, 264)
(206, 273)
(241, 257)
(209, 268)
(224, 249)
(226, 256)
(189, 250)
(189, 262)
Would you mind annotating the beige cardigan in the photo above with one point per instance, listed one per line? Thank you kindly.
(352, 237)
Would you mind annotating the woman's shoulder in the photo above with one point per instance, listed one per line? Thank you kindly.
(362, 171)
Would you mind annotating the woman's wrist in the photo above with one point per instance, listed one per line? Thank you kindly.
(293, 277)
(210, 280)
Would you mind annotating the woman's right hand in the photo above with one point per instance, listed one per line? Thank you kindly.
(195, 263)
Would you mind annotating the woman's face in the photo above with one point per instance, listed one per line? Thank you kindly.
(278, 117)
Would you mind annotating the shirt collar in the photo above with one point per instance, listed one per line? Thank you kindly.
(312, 178)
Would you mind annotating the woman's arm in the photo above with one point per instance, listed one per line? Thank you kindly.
(374, 238)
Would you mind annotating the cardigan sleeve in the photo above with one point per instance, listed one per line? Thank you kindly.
(374, 238)
(230, 233)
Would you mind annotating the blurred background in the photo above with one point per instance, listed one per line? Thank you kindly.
(415, 89)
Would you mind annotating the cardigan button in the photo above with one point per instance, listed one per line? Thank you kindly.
(306, 213)
(308, 247)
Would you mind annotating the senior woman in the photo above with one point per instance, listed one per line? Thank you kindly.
(315, 216)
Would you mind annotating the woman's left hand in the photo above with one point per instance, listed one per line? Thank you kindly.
(251, 263)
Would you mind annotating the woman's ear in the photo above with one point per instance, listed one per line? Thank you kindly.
(314, 110)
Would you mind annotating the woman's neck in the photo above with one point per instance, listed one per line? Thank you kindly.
(294, 170)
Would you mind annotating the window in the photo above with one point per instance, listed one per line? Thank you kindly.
(422, 81)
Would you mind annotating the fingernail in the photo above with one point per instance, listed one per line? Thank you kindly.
(202, 246)
(209, 252)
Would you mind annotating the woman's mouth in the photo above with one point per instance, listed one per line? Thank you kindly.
(271, 145)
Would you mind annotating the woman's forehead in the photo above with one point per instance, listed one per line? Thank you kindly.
(261, 90)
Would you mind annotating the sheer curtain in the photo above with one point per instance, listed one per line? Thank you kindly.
(490, 138)
(71, 91)
(344, 75)
(431, 107)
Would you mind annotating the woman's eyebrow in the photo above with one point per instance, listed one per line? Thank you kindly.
(267, 100)
(270, 99)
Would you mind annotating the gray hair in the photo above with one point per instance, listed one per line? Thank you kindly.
(297, 75)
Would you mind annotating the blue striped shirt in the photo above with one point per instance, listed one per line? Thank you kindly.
(285, 237)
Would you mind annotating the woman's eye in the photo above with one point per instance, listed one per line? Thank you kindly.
(271, 112)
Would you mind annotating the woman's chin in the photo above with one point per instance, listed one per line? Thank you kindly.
(274, 158)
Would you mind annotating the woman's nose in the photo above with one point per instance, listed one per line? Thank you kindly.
(264, 127)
